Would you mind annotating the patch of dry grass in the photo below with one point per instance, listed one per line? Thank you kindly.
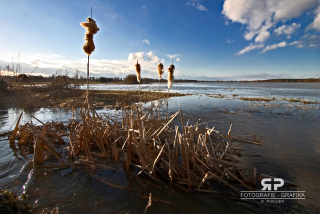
(257, 99)
(216, 95)
(61, 94)
(301, 101)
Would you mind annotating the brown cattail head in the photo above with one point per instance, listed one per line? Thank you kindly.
(91, 29)
(138, 70)
(160, 70)
(170, 75)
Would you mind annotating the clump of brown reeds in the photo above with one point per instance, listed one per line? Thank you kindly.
(91, 29)
(190, 157)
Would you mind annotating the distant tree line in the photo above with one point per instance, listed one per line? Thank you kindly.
(129, 79)
(307, 80)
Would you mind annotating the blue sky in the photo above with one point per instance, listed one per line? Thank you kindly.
(208, 40)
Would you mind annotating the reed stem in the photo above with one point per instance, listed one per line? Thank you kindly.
(139, 93)
(159, 98)
(167, 104)
(88, 79)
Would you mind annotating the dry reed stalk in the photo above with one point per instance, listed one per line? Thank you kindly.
(88, 47)
(138, 70)
(149, 203)
(259, 143)
(13, 136)
(160, 72)
(170, 82)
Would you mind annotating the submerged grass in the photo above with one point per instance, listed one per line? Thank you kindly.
(257, 99)
(301, 101)
(216, 95)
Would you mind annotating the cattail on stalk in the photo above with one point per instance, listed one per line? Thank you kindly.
(170, 75)
(160, 70)
(170, 82)
(138, 70)
(91, 29)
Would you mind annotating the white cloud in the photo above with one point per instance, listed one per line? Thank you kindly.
(261, 15)
(201, 7)
(146, 41)
(172, 56)
(316, 22)
(287, 9)
(152, 58)
(271, 47)
(178, 59)
(250, 48)
(48, 64)
(263, 36)
(307, 41)
(294, 43)
(250, 34)
(287, 29)
(136, 56)
(297, 43)
(56, 55)
(197, 5)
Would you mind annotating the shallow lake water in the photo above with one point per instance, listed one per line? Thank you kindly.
(290, 132)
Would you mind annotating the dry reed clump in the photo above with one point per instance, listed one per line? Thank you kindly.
(160, 70)
(138, 70)
(170, 75)
(191, 157)
(91, 29)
